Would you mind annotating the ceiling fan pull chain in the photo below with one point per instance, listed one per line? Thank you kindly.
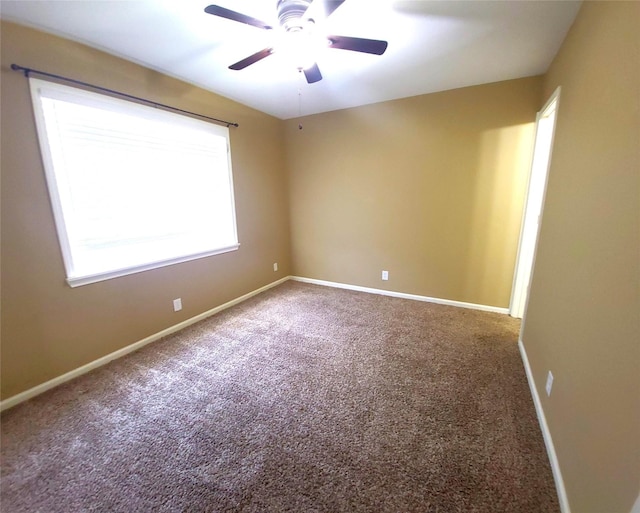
(299, 107)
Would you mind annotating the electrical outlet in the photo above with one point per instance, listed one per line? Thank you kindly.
(177, 305)
(385, 275)
(549, 383)
(275, 266)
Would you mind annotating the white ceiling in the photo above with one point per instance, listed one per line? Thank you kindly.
(433, 45)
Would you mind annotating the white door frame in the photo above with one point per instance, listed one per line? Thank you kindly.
(534, 205)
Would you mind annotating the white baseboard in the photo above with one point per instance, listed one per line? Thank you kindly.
(546, 434)
(39, 389)
(403, 295)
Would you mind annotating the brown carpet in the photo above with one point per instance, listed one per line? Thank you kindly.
(302, 399)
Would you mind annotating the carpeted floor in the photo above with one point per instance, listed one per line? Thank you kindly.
(302, 399)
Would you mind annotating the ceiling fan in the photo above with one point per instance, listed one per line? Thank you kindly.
(297, 20)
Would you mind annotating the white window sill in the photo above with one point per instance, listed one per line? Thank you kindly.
(78, 281)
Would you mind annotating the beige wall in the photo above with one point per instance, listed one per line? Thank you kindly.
(429, 188)
(582, 321)
(49, 328)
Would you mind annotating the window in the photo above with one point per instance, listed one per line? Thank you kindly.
(132, 187)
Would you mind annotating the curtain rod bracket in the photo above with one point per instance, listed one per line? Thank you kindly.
(27, 71)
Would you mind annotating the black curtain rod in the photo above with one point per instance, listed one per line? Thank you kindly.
(27, 71)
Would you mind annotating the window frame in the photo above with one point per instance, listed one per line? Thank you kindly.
(74, 278)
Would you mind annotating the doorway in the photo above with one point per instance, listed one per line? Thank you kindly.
(545, 129)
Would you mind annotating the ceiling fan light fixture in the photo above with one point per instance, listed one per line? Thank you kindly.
(300, 48)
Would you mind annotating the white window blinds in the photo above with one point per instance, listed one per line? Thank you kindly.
(132, 187)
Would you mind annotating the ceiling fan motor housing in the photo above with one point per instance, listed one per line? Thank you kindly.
(290, 13)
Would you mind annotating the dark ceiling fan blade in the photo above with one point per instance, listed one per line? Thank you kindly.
(358, 44)
(252, 59)
(321, 9)
(313, 74)
(331, 5)
(216, 10)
